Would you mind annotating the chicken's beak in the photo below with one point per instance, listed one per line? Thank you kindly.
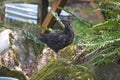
(11, 35)
(11, 38)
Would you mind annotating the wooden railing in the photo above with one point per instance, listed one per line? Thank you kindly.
(49, 19)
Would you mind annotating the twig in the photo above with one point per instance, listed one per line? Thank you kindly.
(57, 18)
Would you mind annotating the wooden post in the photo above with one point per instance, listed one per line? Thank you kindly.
(42, 10)
(98, 13)
(49, 20)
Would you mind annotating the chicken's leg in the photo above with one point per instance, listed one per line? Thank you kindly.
(57, 56)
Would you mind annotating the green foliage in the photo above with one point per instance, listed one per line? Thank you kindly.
(110, 8)
(31, 35)
(60, 70)
(101, 40)
(1, 8)
(6, 72)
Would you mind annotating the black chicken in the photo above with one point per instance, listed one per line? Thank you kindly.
(58, 40)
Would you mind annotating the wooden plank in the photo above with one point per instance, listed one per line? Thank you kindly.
(95, 6)
(42, 12)
(98, 12)
(49, 20)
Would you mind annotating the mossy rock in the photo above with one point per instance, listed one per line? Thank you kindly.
(110, 71)
(6, 72)
(68, 52)
(60, 70)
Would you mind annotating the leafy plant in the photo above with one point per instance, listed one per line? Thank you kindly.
(110, 8)
(102, 40)
(60, 70)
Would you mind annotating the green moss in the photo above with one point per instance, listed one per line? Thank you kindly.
(6, 72)
(68, 52)
(59, 70)
(110, 71)
(16, 53)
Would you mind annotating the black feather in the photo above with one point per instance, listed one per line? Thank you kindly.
(58, 40)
